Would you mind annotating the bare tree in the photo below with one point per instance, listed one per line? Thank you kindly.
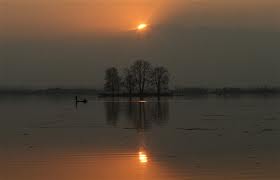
(128, 81)
(112, 80)
(160, 79)
(141, 71)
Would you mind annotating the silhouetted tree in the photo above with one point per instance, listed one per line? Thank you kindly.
(128, 81)
(139, 77)
(141, 71)
(160, 79)
(112, 80)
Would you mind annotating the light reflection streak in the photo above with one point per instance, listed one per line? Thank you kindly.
(142, 101)
(143, 158)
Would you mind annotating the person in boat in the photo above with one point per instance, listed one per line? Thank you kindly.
(80, 101)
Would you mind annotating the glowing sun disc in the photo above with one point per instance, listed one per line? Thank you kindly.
(142, 27)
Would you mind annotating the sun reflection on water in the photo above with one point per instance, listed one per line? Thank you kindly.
(143, 158)
(142, 101)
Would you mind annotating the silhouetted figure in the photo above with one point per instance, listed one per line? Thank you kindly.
(77, 101)
(81, 101)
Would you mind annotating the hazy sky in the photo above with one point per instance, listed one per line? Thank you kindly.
(47, 43)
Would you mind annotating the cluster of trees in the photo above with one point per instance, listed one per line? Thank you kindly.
(138, 79)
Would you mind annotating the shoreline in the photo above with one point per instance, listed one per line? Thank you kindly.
(171, 93)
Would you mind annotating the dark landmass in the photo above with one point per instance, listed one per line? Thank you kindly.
(104, 94)
(227, 91)
(176, 92)
(50, 91)
(205, 92)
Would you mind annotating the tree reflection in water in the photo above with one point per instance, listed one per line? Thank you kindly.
(112, 109)
(137, 115)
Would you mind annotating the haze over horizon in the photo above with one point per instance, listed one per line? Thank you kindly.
(69, 43)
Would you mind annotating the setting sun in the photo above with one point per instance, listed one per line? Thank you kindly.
(142, 27)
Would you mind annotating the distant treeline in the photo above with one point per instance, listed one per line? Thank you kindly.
(49, 91)
(226, 91)
(175, 92)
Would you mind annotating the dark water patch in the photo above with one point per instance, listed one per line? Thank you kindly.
(270, 119)
(197, 129)
(269, 130)
(44, 127)
(212, 119)
(72, 127)
(258, 163)
(130, 128)
(52, 122)
(213, 115)
(171, 156)
(252, 157)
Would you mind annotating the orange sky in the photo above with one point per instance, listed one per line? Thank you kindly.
(62, 16)
(78, 16)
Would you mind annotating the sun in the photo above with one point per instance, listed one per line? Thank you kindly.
(141, 27)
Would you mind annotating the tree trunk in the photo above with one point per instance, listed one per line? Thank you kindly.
(158, 92)
(130, 94)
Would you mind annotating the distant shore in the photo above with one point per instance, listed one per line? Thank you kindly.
(176, 92)
(227, 91)
(104, 94)
(50, 91)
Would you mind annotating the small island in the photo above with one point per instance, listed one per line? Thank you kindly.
(141, 79)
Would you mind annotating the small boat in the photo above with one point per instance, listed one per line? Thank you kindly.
(80, 101)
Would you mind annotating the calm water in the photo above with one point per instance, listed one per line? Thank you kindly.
(47, 138)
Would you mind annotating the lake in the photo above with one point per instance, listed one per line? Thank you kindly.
(211, 138)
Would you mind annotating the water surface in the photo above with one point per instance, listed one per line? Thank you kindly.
(212, 138)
